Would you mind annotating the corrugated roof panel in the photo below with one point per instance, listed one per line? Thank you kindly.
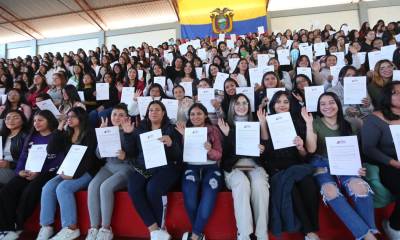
(9, 33)
(64, 25)
(143, 14)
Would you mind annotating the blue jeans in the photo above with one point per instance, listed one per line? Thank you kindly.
(63, 191)
(95, 117)
(199, 207)
(359, 220)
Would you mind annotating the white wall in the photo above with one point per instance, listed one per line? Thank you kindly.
(13, 53)
(87, 44)
(388, 14)
(336, 19)
(153, 38)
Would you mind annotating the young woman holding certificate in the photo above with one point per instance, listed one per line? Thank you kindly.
(20, 196)
(245, 175)
(146, 186)
(331, 123)
(291, 174)
(13, 135)
(200, 175)
(379, 143)
(111, 178)
(62, 187)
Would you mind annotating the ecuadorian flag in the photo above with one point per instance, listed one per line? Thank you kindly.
(195, 18)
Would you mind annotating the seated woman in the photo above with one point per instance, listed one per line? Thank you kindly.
(184, 103)
(331, 123)
(199, 176)
(20, 196)
(290, 163)
(13, 135)
(378, 146)
(113, 176)
(15, 101)
(353, 113)
(245, 175)
(62, 188)
(70, 99)
(147, 186)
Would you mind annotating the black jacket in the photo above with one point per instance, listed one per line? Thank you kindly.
(17, 143)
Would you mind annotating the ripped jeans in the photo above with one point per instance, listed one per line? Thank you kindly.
(359, 220)
(200, 187)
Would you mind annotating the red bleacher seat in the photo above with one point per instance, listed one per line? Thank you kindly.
(221, 226)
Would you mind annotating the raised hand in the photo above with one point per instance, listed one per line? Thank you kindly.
(127, 125)
(261, 115)
(223, 126)
(180, 127)
(104, 122)
(308, 118)
(297, 96)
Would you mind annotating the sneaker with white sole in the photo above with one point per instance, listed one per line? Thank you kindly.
(160, 235)
(105, 234)
(67, 234)
(45, 233)
(92, 234)
(11, 235)
(187, 236)
(391, 233)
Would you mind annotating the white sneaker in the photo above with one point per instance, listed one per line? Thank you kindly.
(105, 234)
(92, 234)
(67, 234)
(11, 235)
(390, 232)
(160, 235)
(186, 236)
(45, 233)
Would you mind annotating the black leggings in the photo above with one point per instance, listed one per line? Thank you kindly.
(19, 199)
(390, 178)
(306, 203)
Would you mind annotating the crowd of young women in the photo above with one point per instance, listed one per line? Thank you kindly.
(276, 191)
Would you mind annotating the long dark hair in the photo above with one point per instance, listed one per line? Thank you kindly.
(156, 85)
(275, 98)
(21, 100)
(344, 126)
(72, 94)
(203, 109)
(246, 74)
(84, 126)
(51, 121)
(343, 72)
(165, 119)
(5, 132)
(387, 101)
(231, 112)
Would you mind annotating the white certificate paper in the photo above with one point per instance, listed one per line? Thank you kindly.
(396, 75)
(48, 105)
(127, 95)
(233, 62)
(395, 130)
(153, 149)
(1, 148)
(143, 103)
(262, 60)
(249, 93)
(160, 80)
(36, 157)
(248, 138)
(202, 54)
(343, 155)
(282, 130)
(193, 147)
(171, 105)
(311, 95)
(188, 86)
(72, 160)
(81, 95)
(199, 72)
(205, 96)
(220, 80)
(355, 89)
(108, 141)
(306, 71)
(373, 58)
(335, 74)
(256, 75)
(340, 58)
(102, 91)
(307, 50)
(319, 49)
(283, 56)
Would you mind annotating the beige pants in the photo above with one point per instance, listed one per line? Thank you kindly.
(250, 190)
